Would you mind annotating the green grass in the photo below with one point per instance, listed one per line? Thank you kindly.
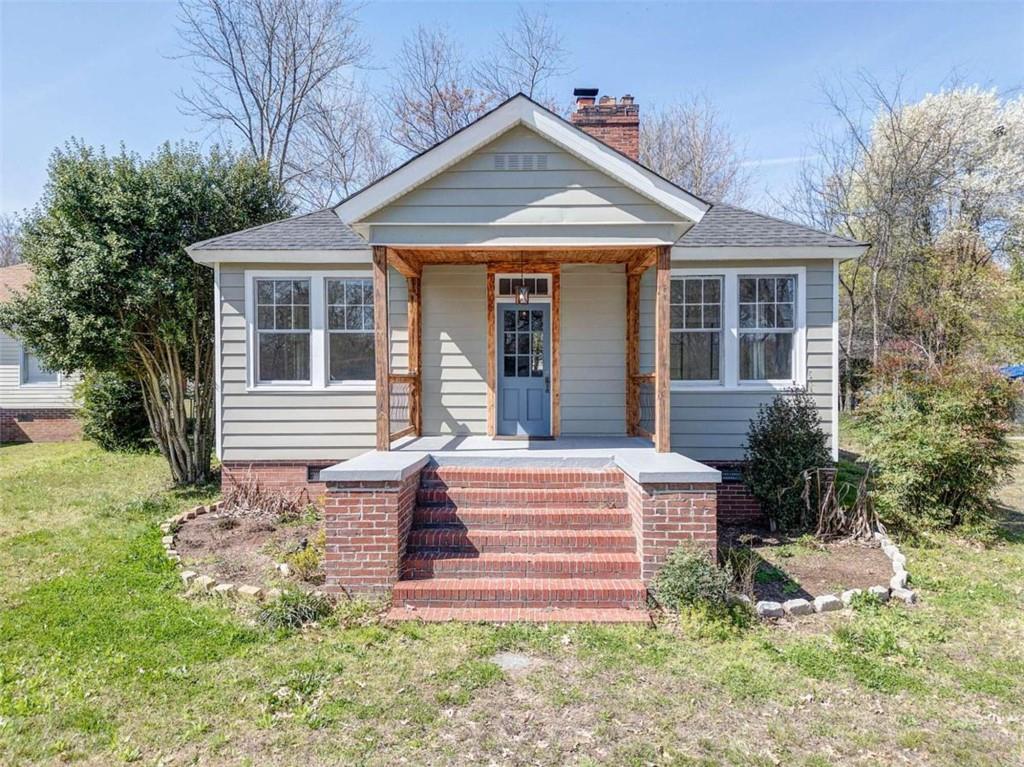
(103, 660)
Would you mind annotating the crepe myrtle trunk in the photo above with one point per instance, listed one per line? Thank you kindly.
(180, 404)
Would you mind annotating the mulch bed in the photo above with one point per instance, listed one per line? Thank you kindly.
(804, 568)
(242, 549)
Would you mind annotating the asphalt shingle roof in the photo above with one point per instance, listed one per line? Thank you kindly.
(319, 230)
(729, 226)
(13, 279)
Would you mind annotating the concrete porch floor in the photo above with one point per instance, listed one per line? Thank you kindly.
(633, 455)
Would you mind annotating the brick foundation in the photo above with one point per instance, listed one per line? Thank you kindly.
(367, 529)
(667, 515)
(39, 425)
(288, 477)
(736, 506)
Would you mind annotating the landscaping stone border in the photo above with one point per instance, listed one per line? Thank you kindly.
(196, 582)
(897, 588)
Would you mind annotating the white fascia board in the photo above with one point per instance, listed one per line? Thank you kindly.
(760, 253)
(519, 111)
(288, 256)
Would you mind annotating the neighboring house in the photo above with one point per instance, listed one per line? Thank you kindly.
(36, 404)
(564, 440)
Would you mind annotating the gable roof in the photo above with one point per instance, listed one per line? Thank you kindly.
(14, 279)
(520, 110)
(728, 226)
(319, 230)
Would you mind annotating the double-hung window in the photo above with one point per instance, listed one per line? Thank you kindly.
(282, 331)
(350, 329)
(767, 324)
(696, 329)
(33, 373)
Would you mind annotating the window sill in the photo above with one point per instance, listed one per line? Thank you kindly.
(360, 386)
(760, 386)
(41, 385)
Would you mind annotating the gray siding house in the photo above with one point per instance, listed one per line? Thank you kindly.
(523, 296)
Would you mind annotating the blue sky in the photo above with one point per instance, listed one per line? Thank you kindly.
(105, 72)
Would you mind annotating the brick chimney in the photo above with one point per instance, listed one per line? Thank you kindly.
(616, 123)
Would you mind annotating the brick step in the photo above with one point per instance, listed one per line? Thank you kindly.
(522, 541)
(495, 518)
(556, 498)
(518, 615)
(449, 564)
(511, 478)
(521, 592)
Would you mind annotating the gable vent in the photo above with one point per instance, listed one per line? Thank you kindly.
(520, 161)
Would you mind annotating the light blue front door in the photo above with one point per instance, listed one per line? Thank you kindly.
(524, 370)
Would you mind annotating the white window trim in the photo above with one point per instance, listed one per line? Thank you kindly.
(24, 383)
(730, 346)
(348, 383)
(318, 370)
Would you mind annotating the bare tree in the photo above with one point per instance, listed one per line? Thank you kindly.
(690, 144)
(524, 59)
(10, 240)
(431, 95)
(263, 65)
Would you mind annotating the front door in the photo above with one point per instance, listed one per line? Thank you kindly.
(524, 370)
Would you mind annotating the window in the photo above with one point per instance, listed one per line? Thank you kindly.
(767, 311)
(350, 329)
(509, 286)
(33, 372)
(282, 331)
(696, 329)
(523, 343)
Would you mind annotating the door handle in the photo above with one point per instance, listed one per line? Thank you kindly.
(547, 384)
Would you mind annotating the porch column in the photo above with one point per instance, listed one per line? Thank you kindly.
(662, 423)
(381, 346)
(415, 356)
(632, 350)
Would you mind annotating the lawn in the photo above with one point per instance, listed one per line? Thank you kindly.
(104, 661)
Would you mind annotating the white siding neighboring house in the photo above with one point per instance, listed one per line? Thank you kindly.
(36, 405)
(753, 308)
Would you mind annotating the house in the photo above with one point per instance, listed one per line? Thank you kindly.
(515, 367)
(36, 404)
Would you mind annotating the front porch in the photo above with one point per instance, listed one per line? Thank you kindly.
(633, 401)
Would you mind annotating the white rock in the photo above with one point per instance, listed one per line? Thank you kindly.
(770, 610)
(204, 583)
(827, 603)
(273, 594)
(899, 562)
(881, 592)
(167, 540)
(188, 576)
(741, 599)
(905, 595)
(849, 594)
(798, 607)
(285, 569)
(899, 580)
(250, 592)
(224, 590)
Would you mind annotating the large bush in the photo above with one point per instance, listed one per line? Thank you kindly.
(112, 413)
(785, 439)
(938, 439)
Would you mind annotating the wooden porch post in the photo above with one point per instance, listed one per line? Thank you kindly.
(382, 346)
(415, 356)
(492, 373)
(662, 423)
(556, 351)
(632, 351)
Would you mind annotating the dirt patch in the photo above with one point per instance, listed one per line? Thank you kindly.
(806, 568)
(243, 549)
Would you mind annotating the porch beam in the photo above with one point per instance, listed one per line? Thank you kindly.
(642, 261)
(662, 423)
(382, 347)
(632, 352)
(406, 263)
(415, 355)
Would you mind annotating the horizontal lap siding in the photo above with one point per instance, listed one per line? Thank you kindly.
(712, 426)
(315, 425)
(593, 349)
(14, 395)
(454, 347)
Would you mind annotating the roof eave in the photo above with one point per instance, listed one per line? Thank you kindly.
(211, 256)
(768, 252)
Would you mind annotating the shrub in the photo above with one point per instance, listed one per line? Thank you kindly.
(112, 413)
(295, 609)
(307, 562)
(250, 499)
(785, 439)
(938, 439)
(744, 564)
(689, 578)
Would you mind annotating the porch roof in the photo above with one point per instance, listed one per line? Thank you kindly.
(635, 456)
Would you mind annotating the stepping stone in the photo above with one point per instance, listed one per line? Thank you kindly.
(250, 592)
(827, 603)
(205, 583)
(770, 610)
(511, 661)
(798, 607)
